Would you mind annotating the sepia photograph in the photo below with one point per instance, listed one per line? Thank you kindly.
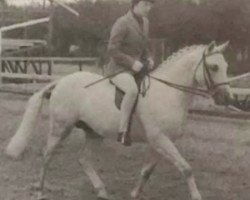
(124, 99)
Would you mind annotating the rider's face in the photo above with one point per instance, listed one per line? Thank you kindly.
(142, 8)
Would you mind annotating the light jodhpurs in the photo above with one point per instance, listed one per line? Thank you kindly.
(126, 83)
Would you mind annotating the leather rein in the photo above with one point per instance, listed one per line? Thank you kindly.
(210, 84)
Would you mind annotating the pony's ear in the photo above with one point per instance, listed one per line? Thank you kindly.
(211, 47)
(222, 47)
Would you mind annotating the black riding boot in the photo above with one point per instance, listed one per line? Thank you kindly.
(124, 138)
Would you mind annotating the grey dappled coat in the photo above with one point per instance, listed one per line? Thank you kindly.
(128, 42)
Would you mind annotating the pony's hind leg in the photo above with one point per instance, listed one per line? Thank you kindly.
(146, 172)
(59, 130)
(165, 147)
(89, 170)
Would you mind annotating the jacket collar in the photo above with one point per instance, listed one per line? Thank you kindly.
(135, 24)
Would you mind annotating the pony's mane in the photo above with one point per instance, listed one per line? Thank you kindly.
(177, 55)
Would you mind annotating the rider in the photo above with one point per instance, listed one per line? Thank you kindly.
(129, 48)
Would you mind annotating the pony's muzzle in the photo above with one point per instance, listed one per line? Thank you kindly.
(222, 96)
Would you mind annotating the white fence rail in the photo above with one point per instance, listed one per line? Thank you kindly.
(41, 65)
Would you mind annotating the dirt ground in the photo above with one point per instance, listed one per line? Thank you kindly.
(212, 146)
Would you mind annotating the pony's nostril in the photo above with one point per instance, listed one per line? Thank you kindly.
(227, 99)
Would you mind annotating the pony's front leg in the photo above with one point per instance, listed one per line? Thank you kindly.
(94, 178)
(86, 155)
(164, 146)
(146, 172)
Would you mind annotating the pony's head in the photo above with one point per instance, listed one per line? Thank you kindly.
(211, 72)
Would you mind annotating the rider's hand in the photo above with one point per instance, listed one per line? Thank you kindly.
(137, 66)
(150, 63)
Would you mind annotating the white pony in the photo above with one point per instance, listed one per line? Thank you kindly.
(157, 119)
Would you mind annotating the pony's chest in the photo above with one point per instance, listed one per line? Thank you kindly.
(165, 108)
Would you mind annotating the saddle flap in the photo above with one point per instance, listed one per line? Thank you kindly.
(119, 94)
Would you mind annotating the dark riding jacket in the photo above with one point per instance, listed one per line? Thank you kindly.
(128, 42)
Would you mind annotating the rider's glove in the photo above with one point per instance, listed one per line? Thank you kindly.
(137, 66)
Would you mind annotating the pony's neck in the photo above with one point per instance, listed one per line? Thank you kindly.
(182, 71)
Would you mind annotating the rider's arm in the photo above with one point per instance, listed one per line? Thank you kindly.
(117, 36)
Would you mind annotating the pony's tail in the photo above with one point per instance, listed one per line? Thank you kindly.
(20, 140)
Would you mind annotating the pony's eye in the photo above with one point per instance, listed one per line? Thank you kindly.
(214, 68)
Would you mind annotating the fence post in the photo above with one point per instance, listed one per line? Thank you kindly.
(1, 80)
(80, 66)
(50, 66)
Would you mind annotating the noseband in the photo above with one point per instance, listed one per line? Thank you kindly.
(210, 84)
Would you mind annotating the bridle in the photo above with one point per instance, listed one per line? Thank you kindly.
(211, 86)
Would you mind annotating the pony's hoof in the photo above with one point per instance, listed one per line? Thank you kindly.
(197, 197)
(41, 196)
(103, 197)
(136, 196)
(35, 186)
(141, 198)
